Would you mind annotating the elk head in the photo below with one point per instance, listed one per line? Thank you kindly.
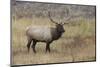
(59, 24)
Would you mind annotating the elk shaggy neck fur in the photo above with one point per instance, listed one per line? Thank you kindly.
(57, 32)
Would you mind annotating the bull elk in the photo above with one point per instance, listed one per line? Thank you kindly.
(45, 34)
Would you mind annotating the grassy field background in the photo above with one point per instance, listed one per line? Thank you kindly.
(76, 44)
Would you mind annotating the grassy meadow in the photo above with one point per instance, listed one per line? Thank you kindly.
(76, 44)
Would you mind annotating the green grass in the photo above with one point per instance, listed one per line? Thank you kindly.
(78, 42)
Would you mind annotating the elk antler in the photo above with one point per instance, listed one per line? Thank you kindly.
(61, 22)
(51, 18)
(68, 18)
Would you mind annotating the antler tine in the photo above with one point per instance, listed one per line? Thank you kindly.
(51, 18)
(69, 17)
(66, 20)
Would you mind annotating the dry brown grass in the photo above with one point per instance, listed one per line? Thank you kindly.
(76, 44)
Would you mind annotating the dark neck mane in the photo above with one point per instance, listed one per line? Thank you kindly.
(57, 32)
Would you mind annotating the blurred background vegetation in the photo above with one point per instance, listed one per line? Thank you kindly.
(22, 9)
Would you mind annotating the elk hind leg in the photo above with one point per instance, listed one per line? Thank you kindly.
(28, 44)
(33, 45)
(48, 47)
